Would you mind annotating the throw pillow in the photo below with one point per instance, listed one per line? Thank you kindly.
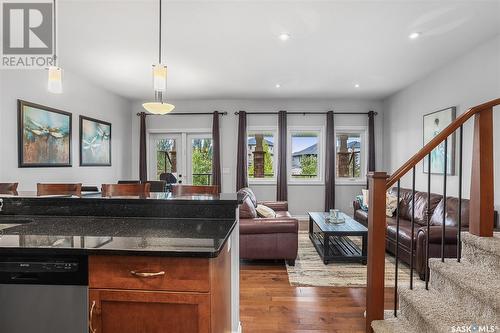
(359, 199)
(247, 209)
(264, 211)
(249, 193)
(391, 204)
(365, 198)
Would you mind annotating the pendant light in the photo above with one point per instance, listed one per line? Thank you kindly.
(159, 83)
(54, 84)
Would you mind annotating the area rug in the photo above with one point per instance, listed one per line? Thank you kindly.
(309, 269)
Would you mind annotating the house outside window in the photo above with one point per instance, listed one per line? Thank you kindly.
(351, 155)
(261, 155)
(305, 155)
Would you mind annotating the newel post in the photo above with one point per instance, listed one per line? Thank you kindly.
(376, 248)
(481, 189)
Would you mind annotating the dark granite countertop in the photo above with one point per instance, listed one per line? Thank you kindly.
(178, 237)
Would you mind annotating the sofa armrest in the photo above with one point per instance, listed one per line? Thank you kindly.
(280, 206)
(435, 231)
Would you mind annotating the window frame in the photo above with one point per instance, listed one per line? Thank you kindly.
(363, 134)
(320, 180)
(259, 130)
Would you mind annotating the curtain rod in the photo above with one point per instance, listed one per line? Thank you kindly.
(305, 113)
(183, 114)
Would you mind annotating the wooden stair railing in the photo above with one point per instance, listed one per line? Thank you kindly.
(481, 220)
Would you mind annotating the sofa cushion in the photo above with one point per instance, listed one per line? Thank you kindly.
(247, 209)
(405, 205)
(283, 215)
(249, 193)
(404, 231)
(451, 212)
(268, 226)
(264, 211)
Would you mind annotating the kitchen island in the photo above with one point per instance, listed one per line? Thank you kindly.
(148, 269)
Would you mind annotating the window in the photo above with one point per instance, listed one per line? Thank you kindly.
(304, 155)
(261, 153)
(201, 160)
(350, 151)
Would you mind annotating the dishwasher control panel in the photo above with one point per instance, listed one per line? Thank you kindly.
(70, 270)
(38, 267)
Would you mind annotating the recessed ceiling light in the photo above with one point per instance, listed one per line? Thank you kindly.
(356, 85)
(414, 35)
(284, 36)
(278, 85)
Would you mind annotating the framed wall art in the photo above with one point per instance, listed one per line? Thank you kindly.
(434, 123)
(44, 136)
(95, 142)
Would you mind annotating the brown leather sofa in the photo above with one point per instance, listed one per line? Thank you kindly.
(420, 227)
(267, 238)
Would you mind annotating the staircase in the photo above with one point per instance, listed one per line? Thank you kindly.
(462, 297)
(462, 290)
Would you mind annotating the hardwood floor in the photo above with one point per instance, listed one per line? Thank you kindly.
(268, 304)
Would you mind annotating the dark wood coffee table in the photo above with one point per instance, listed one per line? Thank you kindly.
(332, 241)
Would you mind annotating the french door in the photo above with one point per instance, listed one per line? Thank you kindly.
(188, 156)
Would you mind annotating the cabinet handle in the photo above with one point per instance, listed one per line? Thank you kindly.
(92, 330)
(147, 274)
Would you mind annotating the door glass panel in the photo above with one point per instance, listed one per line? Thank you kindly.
(201, 161)
(166, 156)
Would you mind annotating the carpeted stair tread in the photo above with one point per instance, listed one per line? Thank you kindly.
(482, 251)
(429, 311)
(392, 325)
(469, 277)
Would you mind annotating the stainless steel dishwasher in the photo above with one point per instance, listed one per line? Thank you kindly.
(43, 294)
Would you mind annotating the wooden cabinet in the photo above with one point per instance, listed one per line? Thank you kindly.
(158, 295)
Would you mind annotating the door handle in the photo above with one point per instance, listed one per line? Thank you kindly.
(91, 327)
(147, 274)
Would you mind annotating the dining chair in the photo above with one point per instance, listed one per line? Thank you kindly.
(59, 189)
(112, 190)
(181, 189)
(8, 188)
(157, 185)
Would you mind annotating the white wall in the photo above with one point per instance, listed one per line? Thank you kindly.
(301, 198)
(80, 98)
(470, 80)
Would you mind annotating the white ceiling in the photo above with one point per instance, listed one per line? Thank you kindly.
(230, 49)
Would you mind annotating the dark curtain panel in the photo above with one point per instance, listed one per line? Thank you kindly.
(282, 186)
(371, 142)
(241, 163)
(330, 162)
(216, 172)
(143, 164)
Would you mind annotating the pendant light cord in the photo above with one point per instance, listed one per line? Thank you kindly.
(159, 38)
(55, 34)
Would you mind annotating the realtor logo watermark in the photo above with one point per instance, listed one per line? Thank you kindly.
(27, 34)
(474, 328)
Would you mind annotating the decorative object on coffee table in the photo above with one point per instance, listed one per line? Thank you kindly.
(331, 240)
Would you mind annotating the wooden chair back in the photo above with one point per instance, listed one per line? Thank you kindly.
(8, 188)
(180, 189)
(157, 185)
(59, 189)
(112, 190)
